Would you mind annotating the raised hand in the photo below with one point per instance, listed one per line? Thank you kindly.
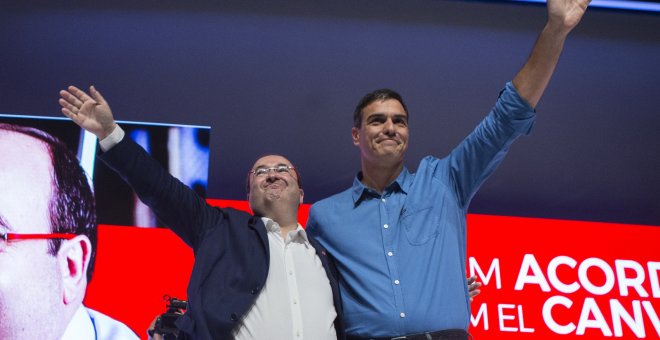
(566, 14)
(533, 78)
(92, 113)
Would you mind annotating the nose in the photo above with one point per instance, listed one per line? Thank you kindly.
(271, 173)
(389, 127)
(270, 177)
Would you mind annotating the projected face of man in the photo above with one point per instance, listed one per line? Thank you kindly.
(31, 289)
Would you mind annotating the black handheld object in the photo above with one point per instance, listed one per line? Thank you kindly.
(165, 322)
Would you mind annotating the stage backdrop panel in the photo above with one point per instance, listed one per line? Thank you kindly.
(543, 279)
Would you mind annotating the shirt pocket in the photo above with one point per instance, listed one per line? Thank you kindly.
(421, 224)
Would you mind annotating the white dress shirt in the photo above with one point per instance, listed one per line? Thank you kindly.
(88, 324)
(296, 302)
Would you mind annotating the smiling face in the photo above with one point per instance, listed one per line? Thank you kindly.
(31, 304)
(274, 191)
(383, 134)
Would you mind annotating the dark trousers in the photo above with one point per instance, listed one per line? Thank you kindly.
(449, 334)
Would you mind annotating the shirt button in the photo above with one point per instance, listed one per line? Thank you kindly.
(402, 314)
(290, 272)
(295, 302)
(396, 282)
(389, 253)
(386, 226)
(384, 200)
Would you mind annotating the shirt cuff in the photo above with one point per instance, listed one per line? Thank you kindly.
(515, 110)
(113, 139)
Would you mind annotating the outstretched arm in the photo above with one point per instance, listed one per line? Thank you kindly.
(533, 78)
(92, 113)
(178, 206)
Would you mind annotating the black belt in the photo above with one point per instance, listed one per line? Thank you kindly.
(449, 334)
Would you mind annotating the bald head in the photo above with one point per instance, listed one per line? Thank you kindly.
(274, 188)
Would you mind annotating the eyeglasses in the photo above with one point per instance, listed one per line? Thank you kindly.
(280, 169)
(5, 238)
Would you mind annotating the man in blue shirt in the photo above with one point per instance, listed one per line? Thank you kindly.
(399, 238)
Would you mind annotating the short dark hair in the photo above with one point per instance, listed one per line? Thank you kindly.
(378, 95)
(72, 207)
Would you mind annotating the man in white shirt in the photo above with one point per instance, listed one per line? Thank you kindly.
(255, 276)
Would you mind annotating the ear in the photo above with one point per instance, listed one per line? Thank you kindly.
(251, 211)
(73, 257)
(355, 132)
(302, 195)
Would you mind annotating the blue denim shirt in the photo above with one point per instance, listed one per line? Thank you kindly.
(402, 254)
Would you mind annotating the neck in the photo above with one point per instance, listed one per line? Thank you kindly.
(285, 230)
(378, 176)
(287, 221)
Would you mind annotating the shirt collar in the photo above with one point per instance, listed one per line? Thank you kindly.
(402, 182)
(297, 235)
(80, 326)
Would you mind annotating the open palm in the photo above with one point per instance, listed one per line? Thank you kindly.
(568, 13)
(92, 113)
